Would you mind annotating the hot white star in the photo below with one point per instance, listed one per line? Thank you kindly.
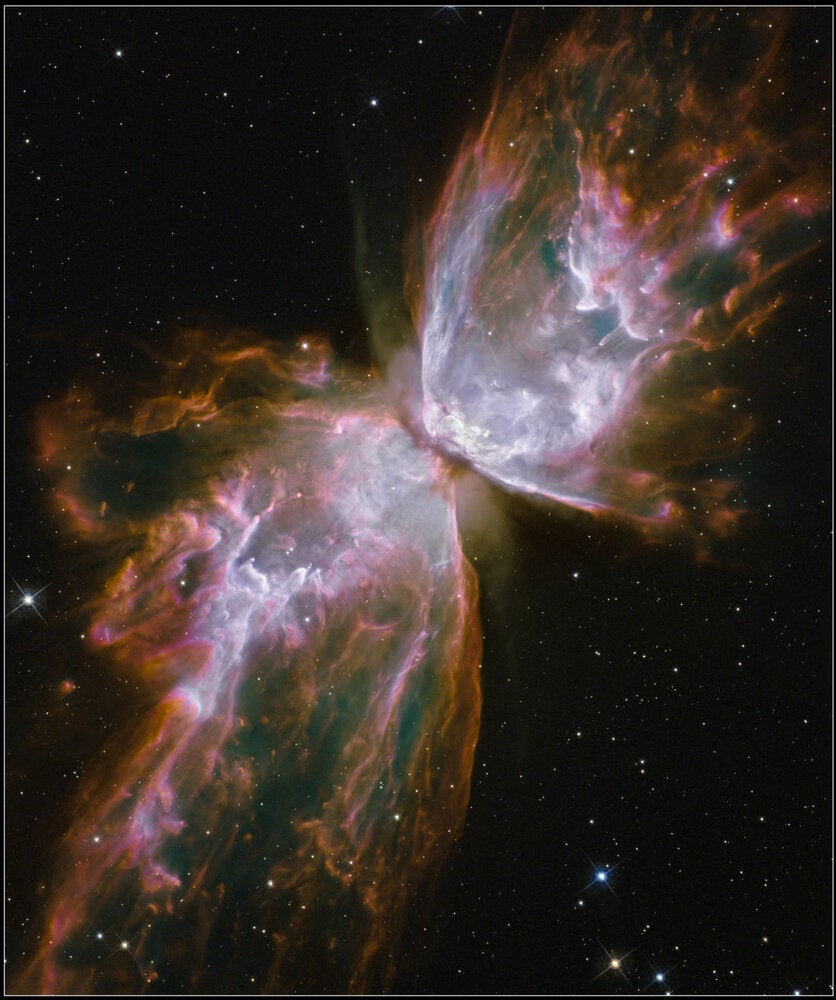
(27, 599)
(601, 876)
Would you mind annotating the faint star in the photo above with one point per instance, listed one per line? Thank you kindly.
(449, 10)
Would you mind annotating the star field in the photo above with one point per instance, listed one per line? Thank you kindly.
(651, 794)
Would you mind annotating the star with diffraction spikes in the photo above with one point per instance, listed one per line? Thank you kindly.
(615, 963)
(27, 599)
(601, 876)
(372, 105)
(660, 978)
(117, 55)
(125, 946)
(449, 12)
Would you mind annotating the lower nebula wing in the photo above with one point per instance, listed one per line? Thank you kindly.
(298, 606)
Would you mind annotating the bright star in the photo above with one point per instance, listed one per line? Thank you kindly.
(117, 52)
(601, 876)
(27, 599)
(373, 102)
(661, 976)
(614, 963)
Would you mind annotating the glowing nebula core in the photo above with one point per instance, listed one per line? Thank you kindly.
(286, 579)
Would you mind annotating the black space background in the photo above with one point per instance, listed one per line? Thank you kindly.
(140, 199)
